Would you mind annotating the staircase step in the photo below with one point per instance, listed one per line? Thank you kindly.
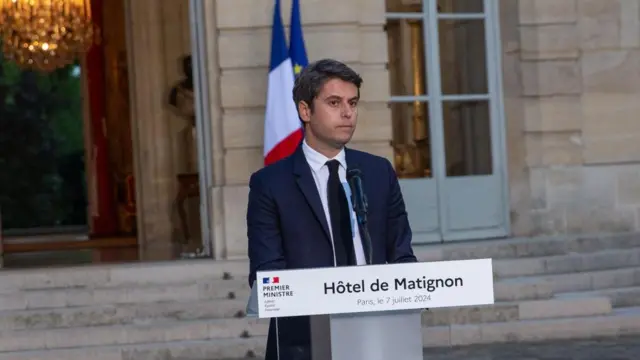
(507, 290)
(518, 248)
(112, 306)
(516, 311)
(569, 263)
(620, 297)
(205, 269)
(103, 315)
(592, 280)
(516, 289)
(622, 321)
(70, 297)
(131, 314)
(252, 347)
(154, 331)
(140, 274)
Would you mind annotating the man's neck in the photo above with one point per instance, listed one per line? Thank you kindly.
(324, 149)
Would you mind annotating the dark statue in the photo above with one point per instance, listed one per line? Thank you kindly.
(181, 94)
(181, 99)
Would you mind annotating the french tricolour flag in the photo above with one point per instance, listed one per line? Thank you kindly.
(273, 280)
(282, 127)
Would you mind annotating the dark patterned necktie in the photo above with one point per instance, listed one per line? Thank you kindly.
(340, 217)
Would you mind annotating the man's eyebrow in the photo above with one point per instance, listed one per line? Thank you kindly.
(333, 96)
(340, 97)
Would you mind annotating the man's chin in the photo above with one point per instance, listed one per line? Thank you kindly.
(341, 142)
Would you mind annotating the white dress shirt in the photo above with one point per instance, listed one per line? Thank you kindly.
(320, 171)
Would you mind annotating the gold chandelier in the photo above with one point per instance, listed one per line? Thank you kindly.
(45, 34)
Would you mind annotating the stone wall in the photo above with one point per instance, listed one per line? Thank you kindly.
(353, 34)
(572, 86)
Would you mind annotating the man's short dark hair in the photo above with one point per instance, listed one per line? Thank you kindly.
(315, 75)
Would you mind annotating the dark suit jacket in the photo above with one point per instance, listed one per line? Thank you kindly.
(287, 229)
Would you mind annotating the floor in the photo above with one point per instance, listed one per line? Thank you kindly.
(616, 348)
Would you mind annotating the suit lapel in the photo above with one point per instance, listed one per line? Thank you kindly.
(307, 185)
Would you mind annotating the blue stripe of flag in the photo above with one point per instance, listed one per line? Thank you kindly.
(279, 50)
(297, 50)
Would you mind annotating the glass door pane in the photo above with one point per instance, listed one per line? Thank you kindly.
(410, 116)
(467, 137)
(460, 6)
(463, 56)
(472, 202)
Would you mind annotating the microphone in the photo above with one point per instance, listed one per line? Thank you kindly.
(360, 207)
(358, 198)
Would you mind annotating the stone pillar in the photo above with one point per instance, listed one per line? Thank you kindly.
(354, 34)
(519, 187)
(158, 34)
(216, 151)
(1, 242)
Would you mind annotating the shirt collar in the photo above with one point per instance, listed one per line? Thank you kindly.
(317, 161)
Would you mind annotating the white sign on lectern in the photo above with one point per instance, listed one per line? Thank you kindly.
(374, 288)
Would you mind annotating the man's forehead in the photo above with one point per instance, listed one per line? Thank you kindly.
(339, 88)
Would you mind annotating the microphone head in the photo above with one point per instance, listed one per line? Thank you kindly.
(351, 173)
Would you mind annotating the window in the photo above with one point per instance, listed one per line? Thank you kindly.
(440, 93)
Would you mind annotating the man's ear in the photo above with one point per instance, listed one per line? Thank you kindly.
(304, 111)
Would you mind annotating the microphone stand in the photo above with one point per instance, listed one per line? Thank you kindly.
(361, 215)
(360, 207)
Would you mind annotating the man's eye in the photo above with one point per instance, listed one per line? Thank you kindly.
(334, 103)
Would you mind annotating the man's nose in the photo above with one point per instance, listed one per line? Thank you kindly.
(347, 111)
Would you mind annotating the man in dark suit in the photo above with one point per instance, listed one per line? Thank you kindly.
(299, 213)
